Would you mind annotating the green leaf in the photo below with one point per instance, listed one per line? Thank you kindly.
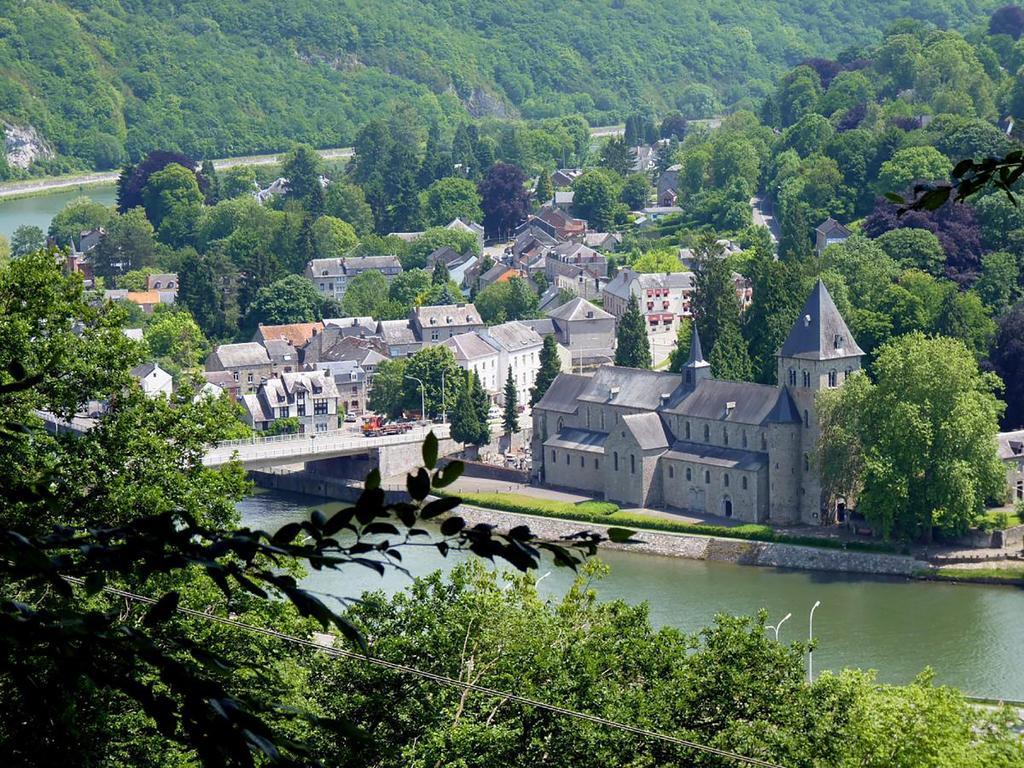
(452, 525)
(452, 472)
(372, 481)
(438, 507)
(430, 451)
(620, 535)
(162, 609)
(418, 485)
(892, 197)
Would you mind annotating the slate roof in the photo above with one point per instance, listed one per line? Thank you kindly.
(352, 326)
(579, 309)
(754, 403)
(447, 315)
(563, 393)
(142, 371)
(241, 355)
(395, 332)
(469, 346)
(820, 333)
(620, 285)
(513, 336)
(258, 410)
(632, 387)
(716, 456)
(647, 429)
(1011, 445)
(831, 228)
(544, 326)
(578, 440)
(280, 351)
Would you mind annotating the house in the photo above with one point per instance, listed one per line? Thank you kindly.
(668, 180)
(333, 347)
(563, 199)
(518, 348)
(602, 241)
(700, 444)
(663, 297)
(561, 225)
(225, 382)
(154, 380)
(433, 324)
(645, 157)
(362, 327)
(829, 232)
(277, 188)
(564, 177)
(1011, 453)
(472, 353)
(296, 334)
(309, 396)
(351, 381)
(587, 331)
(688, 256)
(81, 264)
(668, 199)
(88, 239)
(399, 337)
(248, 363)
(332, 276)
(145, 300)
(656, 213)
(576, 255)
(162, 281)
(284, 358)
(532, 239)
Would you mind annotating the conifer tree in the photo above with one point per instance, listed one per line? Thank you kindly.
(550, 367)
(209, 174)
(482, 403)
(544, 190)
(714, 295)
(510, 419)
(795, 237)
(440, 275)
(437, 160)
(730, 358)
(466, 426)
(633, 349)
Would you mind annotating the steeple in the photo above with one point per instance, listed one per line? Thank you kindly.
(696, 367)
(820, 333)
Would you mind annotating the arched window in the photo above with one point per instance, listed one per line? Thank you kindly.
(707, 477)
(743, 482)
(687, 430)
(807, 378)
(744, 437)
(807, 419)
(671, 471)
(553, 456)
(792, 377)
(764, 442)
(725, 480)
(707, 433)
(807, 463)
(725, 436)
(615, 460)
(689, 474)
(632, 464)
(833, 379)
(560, 424)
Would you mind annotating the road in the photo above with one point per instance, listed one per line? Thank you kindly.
(31, 186)
(762, 219)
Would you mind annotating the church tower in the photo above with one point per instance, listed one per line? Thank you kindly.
(696, 368)
(819, 354)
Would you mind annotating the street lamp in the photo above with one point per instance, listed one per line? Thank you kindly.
(778, 626)
(423, 397)
(810, 639)
(444, 408)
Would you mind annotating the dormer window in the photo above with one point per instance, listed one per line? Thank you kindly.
(838, 341)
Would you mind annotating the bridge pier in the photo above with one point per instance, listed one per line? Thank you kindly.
(399, 459)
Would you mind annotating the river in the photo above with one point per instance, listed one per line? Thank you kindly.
(39, 210)
(971, 635)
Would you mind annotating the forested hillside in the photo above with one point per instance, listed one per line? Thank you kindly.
(107, 80)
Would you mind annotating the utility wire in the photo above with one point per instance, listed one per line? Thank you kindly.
(443, 679)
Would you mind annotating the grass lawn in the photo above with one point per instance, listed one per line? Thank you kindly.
(1010, 575)
(607, 513)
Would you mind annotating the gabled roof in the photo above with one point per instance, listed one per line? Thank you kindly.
(647, 430)
(396, 332)
(1011, 445)
(143, 370)
(543, 326)
(513, 336)
(296, 334)
(469, 346)
(244, 354)
(738, 402)
(447, 315)
(632, 387)
(579, 309)
(831, 228)
(563, 393)
(820, 333)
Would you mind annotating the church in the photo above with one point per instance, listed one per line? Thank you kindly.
(691, 442)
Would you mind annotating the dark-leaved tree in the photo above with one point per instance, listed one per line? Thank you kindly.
(504, 199)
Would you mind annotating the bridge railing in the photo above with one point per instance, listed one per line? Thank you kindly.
(331, 435)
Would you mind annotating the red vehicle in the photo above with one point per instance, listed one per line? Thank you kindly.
(377, 426)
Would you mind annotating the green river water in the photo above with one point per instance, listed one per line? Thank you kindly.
(971, 635)
(38, 211)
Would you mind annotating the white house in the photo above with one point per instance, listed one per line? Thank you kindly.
(518, 347)
(154, 380)
(309, 396)
(472, 353)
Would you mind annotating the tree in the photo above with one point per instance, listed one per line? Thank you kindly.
(175, 339)
(451, 198)
(134, 179)
(292, 299)
(440, 274)
(332, 238)
(506, 300)
(1008, 362)
(302, 167)
(658, 261)
(78, 216)
(633, 349)
(5, 250)
(778, 297)
(673, 126)
(798, 94)
(437, 160)
(510, 415)
(544, 192)
(962, 316)
(347, 202)
(26, 239)
(1008, 20)
(237, 181)
(714, 304)
(681, 351)
(208, 289)
(730, 358)
(910, 165)
(387, 396)
(616, 156)
(914, 249)
(924, 438)
(550, 367)
(504, 199)
(635, 191)
(594, 199)
(998, 285)
(467, 426)
(434, 238)
(436, 367)
(130, 244)
(366, 295)
(522, 302)
(795, 235)
(174, 203)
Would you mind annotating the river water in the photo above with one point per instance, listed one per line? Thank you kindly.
(971, 635)
(38, 211)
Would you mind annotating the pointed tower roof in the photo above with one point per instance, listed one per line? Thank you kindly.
(820, 333)
(696, 359)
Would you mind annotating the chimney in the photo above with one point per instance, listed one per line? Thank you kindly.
(730, 407)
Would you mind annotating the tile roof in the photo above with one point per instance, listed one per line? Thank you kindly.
(296, 334)
(820, 333)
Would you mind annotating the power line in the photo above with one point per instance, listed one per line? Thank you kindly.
(443, 679)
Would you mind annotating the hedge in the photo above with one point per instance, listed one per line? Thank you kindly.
(607, 513)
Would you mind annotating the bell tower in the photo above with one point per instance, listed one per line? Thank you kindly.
(819, 354)
(696, 368)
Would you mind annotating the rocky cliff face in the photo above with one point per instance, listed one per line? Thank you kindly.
(482, 104)
(23, 146)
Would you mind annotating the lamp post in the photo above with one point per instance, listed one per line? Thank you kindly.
(778, 626)
(810, 639)
(444, 408)
(423, 397)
